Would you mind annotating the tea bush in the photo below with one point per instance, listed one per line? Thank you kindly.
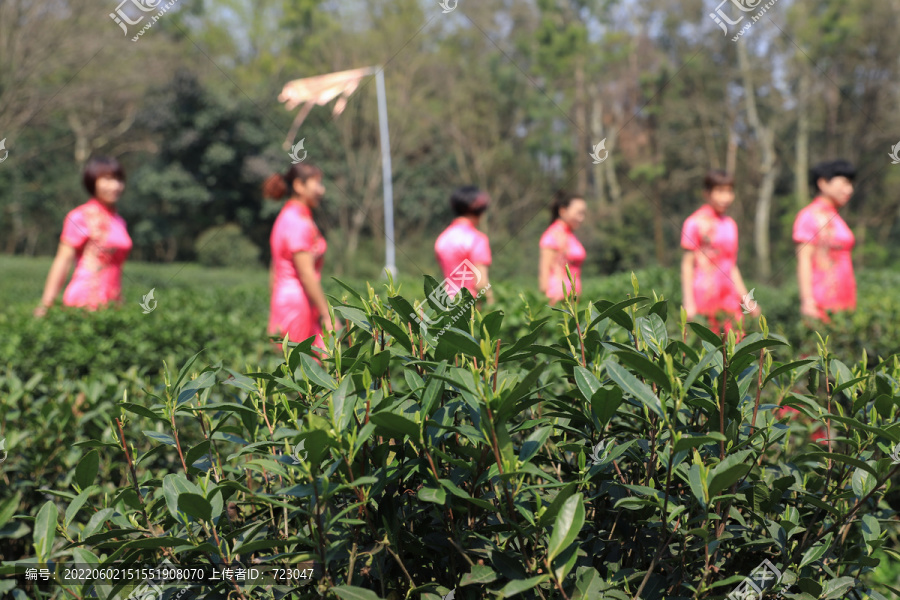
(226, 246)
(604, 450)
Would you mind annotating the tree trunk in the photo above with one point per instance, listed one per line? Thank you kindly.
(766, 140)
(615, 191)
(731, 156)
(18, 227)
(581, 135)
(801, 181)
(599, 173)
(709, 141)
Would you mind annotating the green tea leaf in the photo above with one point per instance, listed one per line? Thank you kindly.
(45, 530)
(355, 316)
(534, 442)
(459, 343)
(141, 410)
(789, 367)
(480, 574)
(653, 330)
(343, 404)
(73, 507)
(87, 469)
(190, 389)
(567, 526)
(863, 482)
(705, 334)
(175, 484)
(518, 586)
(605, 403)
(316, 373)
(687, 443)
(436, 495)
(351, 592)
(587, 383)
(730, 471)
(195, 505)
(589, 584)
(633, 386)
(8, 508)
(396, 425)
(165, 438)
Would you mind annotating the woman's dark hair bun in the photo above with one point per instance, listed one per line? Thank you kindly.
(275, 187)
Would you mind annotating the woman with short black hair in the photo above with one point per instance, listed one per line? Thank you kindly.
(95, 239)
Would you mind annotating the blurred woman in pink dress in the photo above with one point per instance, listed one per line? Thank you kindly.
(560, 247)
(463, 251)
(711, 282)
(824, 242)
(95, 239)
(298, 307)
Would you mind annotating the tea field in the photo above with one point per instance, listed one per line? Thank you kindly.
(604, 450)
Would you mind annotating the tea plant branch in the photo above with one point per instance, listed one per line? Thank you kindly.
(412, 584)
(668, 483)
(206, 436)
(652, 566)
(815, 519)
(496, 365)
(319, 530)
(459, 548)
(509, 501)
(722, 403)
(837, 524)
(581, 341)
(134, 481)
(651, 465)
(555, 579)
(177, 441)
(758, 391)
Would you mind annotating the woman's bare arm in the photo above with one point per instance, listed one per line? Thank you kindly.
(804, 279)
(56, 278)
(304, 262)
(687, 284)
(484, 285)
(548, 259)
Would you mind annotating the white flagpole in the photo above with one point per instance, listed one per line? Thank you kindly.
(387, 176)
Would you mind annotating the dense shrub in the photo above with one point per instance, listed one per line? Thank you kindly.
(594, 455)
(226, 246)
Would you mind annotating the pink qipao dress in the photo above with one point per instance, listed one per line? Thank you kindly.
(834, 284)
(459, 243)
(102, 243)
(291, 312)
(569, 251)
(714, 240)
